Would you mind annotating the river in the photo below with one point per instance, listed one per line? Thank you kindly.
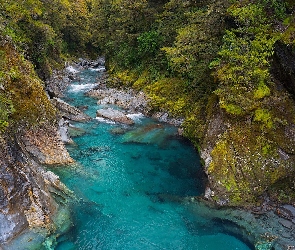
(132, 184)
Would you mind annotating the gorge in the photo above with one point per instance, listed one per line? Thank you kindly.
(222, 71)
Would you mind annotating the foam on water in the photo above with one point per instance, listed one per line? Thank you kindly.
(81, 87)
(136, 117)
(99, 69)
(101, 119)
(71, 69)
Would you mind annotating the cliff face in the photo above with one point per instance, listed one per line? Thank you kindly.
(27, 189)
(245, 158)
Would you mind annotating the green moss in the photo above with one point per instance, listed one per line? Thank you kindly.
(245, 163)
(6, 109)
(194, 125)
(266, 149)
(265, 117)
(231, 108)
(262, 91)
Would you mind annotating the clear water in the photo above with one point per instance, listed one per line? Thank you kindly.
(131, 183)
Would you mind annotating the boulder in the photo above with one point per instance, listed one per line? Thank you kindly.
(114, 115)
(68, 111)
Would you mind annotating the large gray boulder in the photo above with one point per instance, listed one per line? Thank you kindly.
(114, 115)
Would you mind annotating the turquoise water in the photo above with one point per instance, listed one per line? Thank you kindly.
(131, 183)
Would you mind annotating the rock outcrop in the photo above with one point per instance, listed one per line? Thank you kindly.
(126, 98)
(129, 100)
(69, 112)
(45, 145)
(27, 191)
(58, 82)
(244, 158)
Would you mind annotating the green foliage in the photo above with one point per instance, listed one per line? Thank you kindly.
(23, 101)
(126, 56)
(168, 94)
(44, 29)
(6, 108)
(264, 116)
(196, 45)
(148, 43)
(122, 26)
(245, 60)
(276, 8)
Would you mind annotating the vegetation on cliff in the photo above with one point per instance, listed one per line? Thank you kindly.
(35, 37)
(210, 62)
(30, 45)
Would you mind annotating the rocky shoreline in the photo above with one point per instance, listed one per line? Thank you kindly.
(30, 194)
(34, 202)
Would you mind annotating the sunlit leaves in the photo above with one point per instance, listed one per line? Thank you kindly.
(245, 60)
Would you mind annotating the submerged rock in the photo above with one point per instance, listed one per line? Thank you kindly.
(118, 131)
(150, 134)
(74, 131)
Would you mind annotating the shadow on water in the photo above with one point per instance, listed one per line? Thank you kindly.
(86, 216)
(230, 228)
(214, 226)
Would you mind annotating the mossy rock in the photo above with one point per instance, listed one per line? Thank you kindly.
(246, 157)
